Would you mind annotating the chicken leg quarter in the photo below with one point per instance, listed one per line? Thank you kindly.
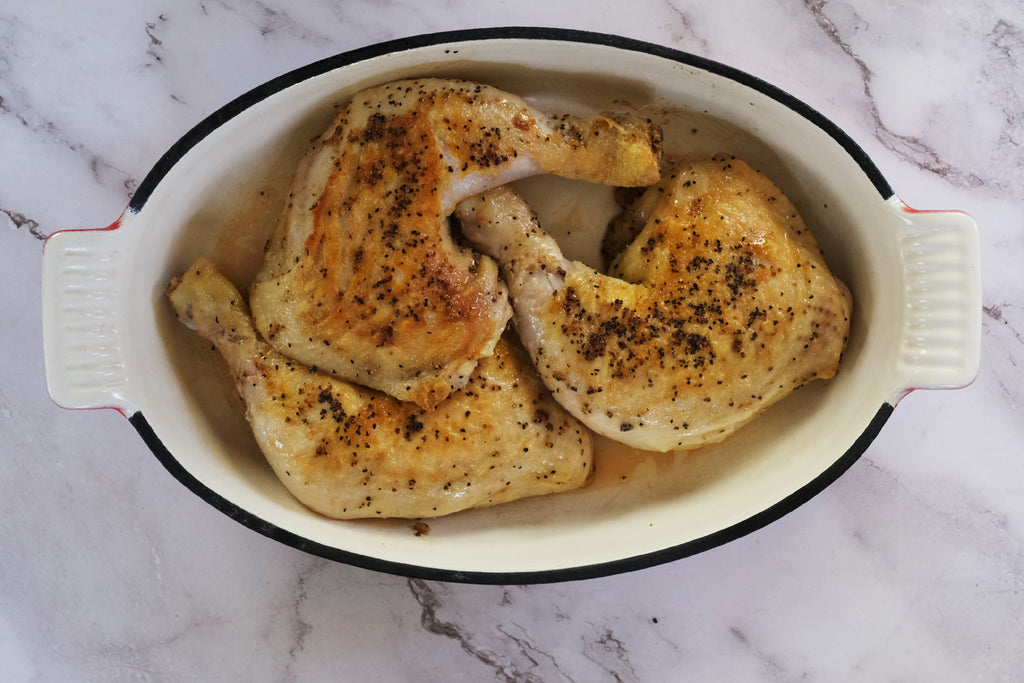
(362, 277)
(346, 451)
(720, 306)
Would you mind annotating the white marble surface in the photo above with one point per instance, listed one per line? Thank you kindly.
(910, 567)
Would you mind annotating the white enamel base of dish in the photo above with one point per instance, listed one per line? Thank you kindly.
(112, 341)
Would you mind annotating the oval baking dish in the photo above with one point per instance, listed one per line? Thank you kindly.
(111, 338)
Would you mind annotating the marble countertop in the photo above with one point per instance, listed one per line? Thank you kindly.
(909, 567)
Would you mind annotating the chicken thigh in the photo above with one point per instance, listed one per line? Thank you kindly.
(362, 277)
(346, 451)
(719, 307)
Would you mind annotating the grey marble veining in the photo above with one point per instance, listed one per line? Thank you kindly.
(910, 567)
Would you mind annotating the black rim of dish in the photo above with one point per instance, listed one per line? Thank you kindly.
(753, 523)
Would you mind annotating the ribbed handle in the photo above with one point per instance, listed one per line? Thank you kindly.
(82, 323)
(941, 336)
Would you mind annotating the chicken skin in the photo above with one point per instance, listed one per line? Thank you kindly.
(719, 306)
(362, 277)
(346, 451)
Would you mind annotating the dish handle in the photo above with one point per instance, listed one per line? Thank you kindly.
(940, 346)
(82, 320)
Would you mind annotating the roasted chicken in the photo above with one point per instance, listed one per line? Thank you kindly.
(346, 451)
(362, 277)
(720, 305)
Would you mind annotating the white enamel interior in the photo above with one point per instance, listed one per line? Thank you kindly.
(222, 198)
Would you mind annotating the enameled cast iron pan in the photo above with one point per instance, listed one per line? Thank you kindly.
(112, 341)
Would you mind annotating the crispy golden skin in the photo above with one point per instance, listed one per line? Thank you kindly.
(362, 277)
(720, 305)
(347, 452)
